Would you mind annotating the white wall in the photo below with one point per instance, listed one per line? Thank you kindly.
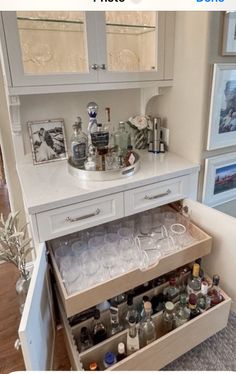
(123, 104)
(185, 109)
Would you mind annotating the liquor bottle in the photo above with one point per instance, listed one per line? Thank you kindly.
(99, 330)
(172, 291)
(194, 281)
(100, 140)
(115, 323)
(203, 300)
(109, 127)
(132, 337)
(201, 271)
(90, 163)
(141, 310)
(92, 109)
(214, 291)
(122, 139)
(132, 311)
(85, 341)
(158, 302)
(182, 283)
(79, 144)
(129, 158)
(148, 326)
(109, 359)
(93, 366)
(121, 352)
(192, 304)
(182, 313)
(168, 317)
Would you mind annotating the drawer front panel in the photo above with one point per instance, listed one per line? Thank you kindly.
(171, 346)
(153, 195)
(69, 219)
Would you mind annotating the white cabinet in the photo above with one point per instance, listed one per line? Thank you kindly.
(37, 325)
(44, 51)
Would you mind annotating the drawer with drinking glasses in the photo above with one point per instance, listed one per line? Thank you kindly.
(95, 264)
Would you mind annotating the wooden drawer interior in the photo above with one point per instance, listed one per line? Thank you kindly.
(83, 300)
(163, 350)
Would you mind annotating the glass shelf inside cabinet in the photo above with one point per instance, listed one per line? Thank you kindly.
(117, 28)
(50, 24)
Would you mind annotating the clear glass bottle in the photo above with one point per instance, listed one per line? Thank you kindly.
(109, 127)
(79, 144)
(122, 139)
(192, 304)
(85, 341)
(182, 313)
(141, 310)
(121, 352)
(172, 291)
(90, 163)
(214, 291)
(148, 326)
(194, 281)
(132, 337)
(115, 322)
(168, 317)
(203, 300)
(132, 311)
(99, 330)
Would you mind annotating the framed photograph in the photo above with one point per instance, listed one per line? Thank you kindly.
(48, 140)
(229, 34)
(220, 179)
(222, 121)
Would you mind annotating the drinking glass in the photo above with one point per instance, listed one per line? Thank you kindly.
(178, 233)
(78, 247)
(145, 223)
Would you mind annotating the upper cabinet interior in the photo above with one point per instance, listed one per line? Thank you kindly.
(86, 49)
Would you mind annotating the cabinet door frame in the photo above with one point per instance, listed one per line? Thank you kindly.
(116, 76)
(14, 56)
(37, 326)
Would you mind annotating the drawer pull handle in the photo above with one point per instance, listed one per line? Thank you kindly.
(69, 219)
(158, 196)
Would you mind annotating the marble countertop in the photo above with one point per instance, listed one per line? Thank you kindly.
(50, 185)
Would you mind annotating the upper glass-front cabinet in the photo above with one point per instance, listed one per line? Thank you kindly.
(71, 48)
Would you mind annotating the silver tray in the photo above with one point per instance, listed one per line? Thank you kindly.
(105, 175)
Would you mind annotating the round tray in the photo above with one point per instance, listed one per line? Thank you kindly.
(105, 175)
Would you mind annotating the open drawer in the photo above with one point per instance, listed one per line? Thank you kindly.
(166, 348)
(77, 302)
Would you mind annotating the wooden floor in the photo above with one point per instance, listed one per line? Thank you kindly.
(11, 359)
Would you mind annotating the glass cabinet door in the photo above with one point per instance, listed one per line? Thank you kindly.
(131, 41)
(53, 42)
(50, 47)
(133, 44)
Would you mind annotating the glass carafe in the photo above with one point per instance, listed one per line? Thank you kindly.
(122, 139)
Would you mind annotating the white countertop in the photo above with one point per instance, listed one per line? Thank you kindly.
(51, 186)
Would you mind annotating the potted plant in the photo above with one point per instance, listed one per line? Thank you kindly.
(14, 248)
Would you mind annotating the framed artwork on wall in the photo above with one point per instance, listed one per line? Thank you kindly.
(220, 179)
(229, 34)
(222, 120)
(48, 141)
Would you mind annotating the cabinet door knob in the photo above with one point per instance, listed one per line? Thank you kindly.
(71, 220)
(94, 67)
(102, 67)
(157, 196)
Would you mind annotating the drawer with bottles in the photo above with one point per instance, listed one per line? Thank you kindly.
(144, 332)
(96, 264)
